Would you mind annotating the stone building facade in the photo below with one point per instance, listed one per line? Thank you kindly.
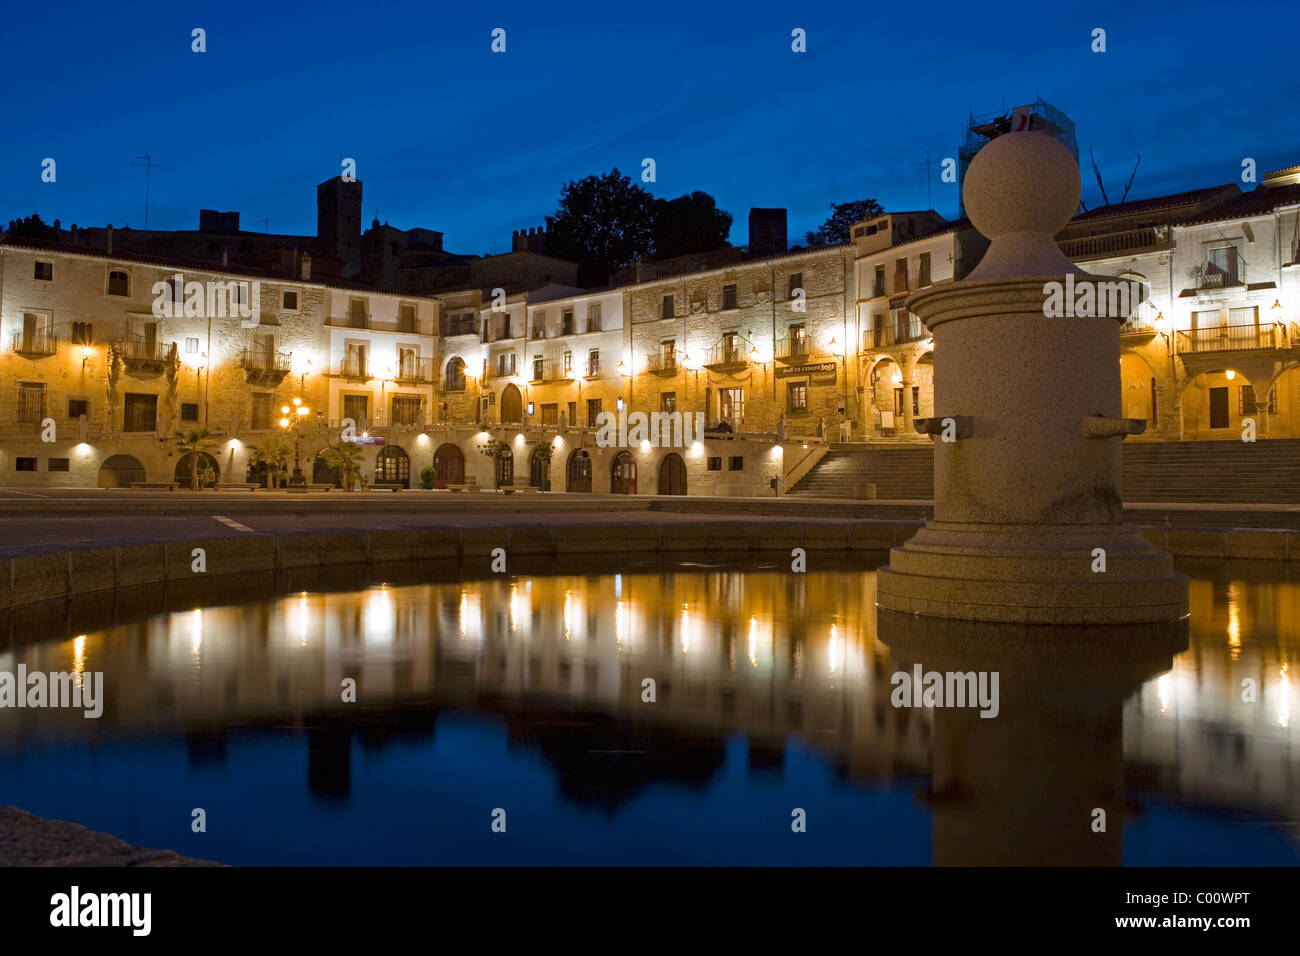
(776, 357)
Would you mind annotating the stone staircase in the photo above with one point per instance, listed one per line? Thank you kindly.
(903, 473)
(1228, 472)
(1231, 472)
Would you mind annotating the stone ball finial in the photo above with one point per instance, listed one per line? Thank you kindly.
(1022, 182)
(1020, 190)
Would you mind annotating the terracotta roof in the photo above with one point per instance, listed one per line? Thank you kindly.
(206, 268)
(1153, 204)
(1259, 201)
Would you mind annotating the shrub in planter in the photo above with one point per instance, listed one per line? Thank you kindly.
(427, 476)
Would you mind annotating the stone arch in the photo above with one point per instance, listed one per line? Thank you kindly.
(919, 373)
(539, 469)
(448, 465)
(885, 415)
(577, 471)
(1280, 400)
(453, 375)
(504, 466)
(182, 473)
(672, 475)
(393, 466)
(622, 474)
(511, 404)
(1214, 404)
(323, 473)
(1139, 395)
(118, 471)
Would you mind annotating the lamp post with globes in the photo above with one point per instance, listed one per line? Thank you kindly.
(292, 420)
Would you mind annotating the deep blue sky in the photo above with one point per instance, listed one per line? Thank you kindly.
(450, 136)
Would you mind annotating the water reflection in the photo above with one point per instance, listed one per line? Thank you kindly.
(791, 668)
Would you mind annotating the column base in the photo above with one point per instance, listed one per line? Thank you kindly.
(1032, 574)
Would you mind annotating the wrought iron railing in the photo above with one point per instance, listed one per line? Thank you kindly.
(1233, 338)
(35, 343)
(261, 360)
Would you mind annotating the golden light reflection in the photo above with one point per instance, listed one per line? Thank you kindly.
(568, 614)
(753, 642)
(1164, 687)
(1283, 698)
(1234, 620)
(620, 623)
(519, 607)
(379, 618)
(835, 652)
(300, 619)
(79, 658)
(686, 629)
(196, 630)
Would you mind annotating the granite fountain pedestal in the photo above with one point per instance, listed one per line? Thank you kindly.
(1028, 521)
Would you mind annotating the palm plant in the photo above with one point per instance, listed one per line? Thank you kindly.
(346, 457)
(271, 451)
(193, 443)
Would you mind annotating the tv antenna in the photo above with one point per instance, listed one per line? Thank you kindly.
(1100, 184)
(266, 223)
(929, 202)
(1130, 180)
(148, 164)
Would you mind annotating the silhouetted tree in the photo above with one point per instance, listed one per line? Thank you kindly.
(603, 223)
(843, 215)
(691, 223)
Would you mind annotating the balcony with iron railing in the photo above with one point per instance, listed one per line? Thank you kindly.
(1211, 276)
(895, 333)
(415, 371)
(1115, 243)
(793, 348)
(550, 370)
(265, 360)
(494, 371)
(142, 351)
(666, 363)
(355, 366)
(728, 354)
(265, 366)
(592, 368)
(1233, 338)
(35, 344)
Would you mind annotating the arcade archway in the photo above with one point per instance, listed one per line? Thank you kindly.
(577, 473)
(118, 471)
(448, 466)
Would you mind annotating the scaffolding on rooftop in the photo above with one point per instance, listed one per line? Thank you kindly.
(981, 129)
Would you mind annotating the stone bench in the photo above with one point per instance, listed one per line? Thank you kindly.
(236, 486)
(384, 486)
(154, 485)
(320, 487)
(472, 486)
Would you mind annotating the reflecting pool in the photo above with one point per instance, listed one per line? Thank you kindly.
(771, 690)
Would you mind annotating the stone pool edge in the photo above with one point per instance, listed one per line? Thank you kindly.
(29, 840)
(54, 572)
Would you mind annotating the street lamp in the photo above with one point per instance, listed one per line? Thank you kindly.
(291, 420)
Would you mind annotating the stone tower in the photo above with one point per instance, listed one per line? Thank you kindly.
(338, 219)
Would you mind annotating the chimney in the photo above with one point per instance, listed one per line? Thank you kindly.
(108, 240)
(306, 267)
(223, 257)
